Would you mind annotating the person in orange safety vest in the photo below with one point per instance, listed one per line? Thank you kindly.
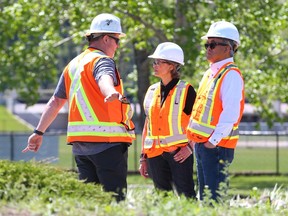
(99, 117)
(213, 126)
(166, 155)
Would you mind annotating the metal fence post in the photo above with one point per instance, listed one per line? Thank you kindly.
(11, 146)
(277, 153)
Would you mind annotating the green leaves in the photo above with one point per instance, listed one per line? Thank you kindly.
(23, 181)
(37, 40)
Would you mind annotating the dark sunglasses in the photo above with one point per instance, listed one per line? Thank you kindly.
(117, 40)
(158, 62)
(213, 45)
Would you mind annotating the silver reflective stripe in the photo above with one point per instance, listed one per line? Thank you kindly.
(180, 86)
(149, 97)
(175, 108)
(76, 85)
(97, 129)
(84, 108)
(77, 67)
(171, 139)
(207, 131)
(234, 132)
(201, 128)
(148, 143)
(211, 94)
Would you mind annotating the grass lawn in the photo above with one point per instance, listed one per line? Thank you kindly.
(260, 159)
(9, 123)
(247, 159)
(239, 185)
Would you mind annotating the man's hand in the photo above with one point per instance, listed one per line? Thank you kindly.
(143, 169)
(113, 96)
(34, 143)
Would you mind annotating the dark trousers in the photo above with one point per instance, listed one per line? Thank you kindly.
(108, 168)
(166, 173)
(212, 168)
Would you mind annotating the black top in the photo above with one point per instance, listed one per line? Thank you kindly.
(190, 99)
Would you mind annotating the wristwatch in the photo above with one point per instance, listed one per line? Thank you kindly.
(40, 133)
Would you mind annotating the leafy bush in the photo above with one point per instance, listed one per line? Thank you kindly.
(30, 188)
(34, 182)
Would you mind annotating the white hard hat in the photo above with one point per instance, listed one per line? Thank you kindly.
(169, 51)
(223, 29)
(105, 23)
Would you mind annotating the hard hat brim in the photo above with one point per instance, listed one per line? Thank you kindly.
(152, 56)
(121, 34)
(204, 37)
(163, 58)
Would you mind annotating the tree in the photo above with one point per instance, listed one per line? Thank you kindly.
(36, 33)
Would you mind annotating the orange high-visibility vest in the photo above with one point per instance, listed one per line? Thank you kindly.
(208, 107)
(90, 119)
(166, 126)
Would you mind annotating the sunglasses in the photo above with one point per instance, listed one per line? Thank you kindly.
(213, 45)
(117, 40)
(158, 62)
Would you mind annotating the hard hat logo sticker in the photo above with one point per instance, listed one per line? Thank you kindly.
(108, 22)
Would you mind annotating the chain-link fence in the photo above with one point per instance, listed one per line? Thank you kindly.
(256, 152)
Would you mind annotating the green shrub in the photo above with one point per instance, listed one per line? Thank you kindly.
(34, 182)
(30, 188)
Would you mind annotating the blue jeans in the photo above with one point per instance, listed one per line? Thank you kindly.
(212, 168)
(108, 168)
(166, 173)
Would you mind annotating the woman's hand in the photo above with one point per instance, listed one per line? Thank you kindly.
(183, 154)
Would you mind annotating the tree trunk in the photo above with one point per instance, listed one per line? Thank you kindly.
(142, 64)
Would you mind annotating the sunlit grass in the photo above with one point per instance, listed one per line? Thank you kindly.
(9, 123)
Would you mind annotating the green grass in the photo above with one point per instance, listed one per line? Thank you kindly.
(66, 159)
(9, 123)
(260, 159)
(238, 185)
(247, 159)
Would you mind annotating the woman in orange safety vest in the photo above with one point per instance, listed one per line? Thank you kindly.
(166, 155)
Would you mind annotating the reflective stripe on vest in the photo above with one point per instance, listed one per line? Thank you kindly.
(207, 112)
(176, 105)
(112, 129)
(74, 73)
(206, 130)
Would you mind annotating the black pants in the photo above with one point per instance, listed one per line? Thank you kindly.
(108, 168)
(166, 173)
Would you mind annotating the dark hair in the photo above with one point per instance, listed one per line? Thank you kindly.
(175, 73)
(94, 37)
(232, 44)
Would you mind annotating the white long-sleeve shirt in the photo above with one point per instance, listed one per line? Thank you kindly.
(231, 96)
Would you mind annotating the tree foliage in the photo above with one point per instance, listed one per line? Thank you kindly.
(37, 36)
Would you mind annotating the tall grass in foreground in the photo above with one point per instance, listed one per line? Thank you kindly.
(37, 189)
